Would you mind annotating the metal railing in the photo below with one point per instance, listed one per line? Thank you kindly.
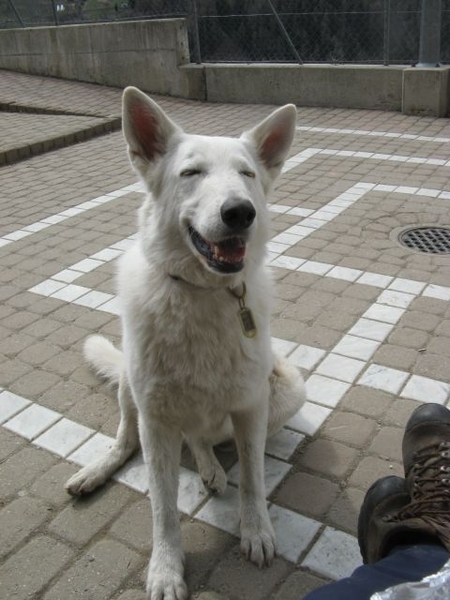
(303, 31)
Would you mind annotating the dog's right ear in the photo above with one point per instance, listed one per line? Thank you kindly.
(147, 129)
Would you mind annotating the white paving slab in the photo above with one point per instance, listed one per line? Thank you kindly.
(325, 390)
(294, 532)
(11, 404)
(32, 421)
(425, 389)
(334, 555)
(383, 378)
(274, 471)
(64, 437)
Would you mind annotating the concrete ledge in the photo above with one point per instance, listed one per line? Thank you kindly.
(426, 91)
(346, 86)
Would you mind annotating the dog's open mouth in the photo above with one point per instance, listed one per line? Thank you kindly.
(226, 256)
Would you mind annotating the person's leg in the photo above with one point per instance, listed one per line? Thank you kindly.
(404, 524)
(404, 563)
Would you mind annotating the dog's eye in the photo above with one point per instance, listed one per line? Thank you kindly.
(190, 172)
(250, 174)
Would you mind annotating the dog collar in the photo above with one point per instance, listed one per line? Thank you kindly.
(245, 314)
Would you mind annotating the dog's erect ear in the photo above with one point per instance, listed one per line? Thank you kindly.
(273, 138)
(146, 127)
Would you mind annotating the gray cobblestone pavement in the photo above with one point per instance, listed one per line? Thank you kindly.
(366, 319)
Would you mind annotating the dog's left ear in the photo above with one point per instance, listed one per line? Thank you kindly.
(147, 130)
(273, 138)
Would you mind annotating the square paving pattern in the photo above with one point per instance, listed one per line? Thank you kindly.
(366, 319)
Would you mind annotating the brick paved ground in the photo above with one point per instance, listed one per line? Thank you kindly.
(367, 320)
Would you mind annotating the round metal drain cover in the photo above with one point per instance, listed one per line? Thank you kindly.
(432, 240)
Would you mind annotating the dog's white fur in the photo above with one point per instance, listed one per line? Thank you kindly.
(187, 370)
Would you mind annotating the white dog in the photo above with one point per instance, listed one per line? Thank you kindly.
(195, 300)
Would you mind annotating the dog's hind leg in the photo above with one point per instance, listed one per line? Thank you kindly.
(209, 468)
(127, 441)
(287, 395)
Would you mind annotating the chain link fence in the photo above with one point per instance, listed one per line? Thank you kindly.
(304, 31)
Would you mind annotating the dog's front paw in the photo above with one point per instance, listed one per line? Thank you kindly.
(166, 586)
(84, 482)
(258, 545)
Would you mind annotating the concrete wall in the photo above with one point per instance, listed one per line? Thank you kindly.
(143, 53)
(154, 55)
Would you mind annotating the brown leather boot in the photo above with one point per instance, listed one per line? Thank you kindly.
(426, 459)
(377, 535)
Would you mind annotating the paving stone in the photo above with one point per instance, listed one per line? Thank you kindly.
(396, 357)
(67, 336)
(307, 494)
(388, 443)
(287, 329)
(367, 401)
(204, 547)
(419, 320)
(430, 305)
(336, 320)
(14, 344)
(50, 486)
(37, 563)
(30, 462)
(37, 354)
(9, 443)
(319, 337)
(432, 365)
(408, 337)
(236, 578)
(64, 364)
(344, 512)
(439, 345)
(349, 428)
(134, 526)
(63, 395)
(209, 595)
(93, 410)
(19, 519)
(85, 517)
(97, 574)
(328, 458)
(399, 412)
(33, 384)
(132, 595)
(298, 585)
(371, 468)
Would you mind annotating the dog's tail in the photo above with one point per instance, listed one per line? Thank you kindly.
(106, 360)
(287, 395)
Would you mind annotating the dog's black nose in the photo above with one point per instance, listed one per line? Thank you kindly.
(237, 213)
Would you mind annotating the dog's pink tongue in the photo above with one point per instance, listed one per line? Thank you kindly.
(231, 251)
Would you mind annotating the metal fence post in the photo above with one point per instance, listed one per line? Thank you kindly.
(285, 33)
(16, 12)
(198, 56)
(430, 33)
(55, 12)
(386, 32)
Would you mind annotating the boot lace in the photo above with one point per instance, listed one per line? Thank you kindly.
(430, 498)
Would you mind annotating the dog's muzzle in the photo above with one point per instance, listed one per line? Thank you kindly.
(226, 256)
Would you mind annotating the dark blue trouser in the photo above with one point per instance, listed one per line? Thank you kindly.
(404, 563)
